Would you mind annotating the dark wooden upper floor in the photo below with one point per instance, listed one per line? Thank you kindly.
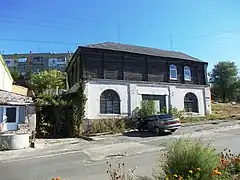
(104, 63)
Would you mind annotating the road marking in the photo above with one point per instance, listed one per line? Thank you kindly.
(39, 157)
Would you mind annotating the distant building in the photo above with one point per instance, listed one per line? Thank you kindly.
(6, 79)
(35, 62)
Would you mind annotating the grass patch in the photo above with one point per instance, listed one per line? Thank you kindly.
(220, 111)
(226, 110)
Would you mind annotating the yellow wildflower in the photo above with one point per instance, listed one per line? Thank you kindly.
(190, 171)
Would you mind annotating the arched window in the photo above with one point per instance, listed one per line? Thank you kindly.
(109, 102)
(187, 73)
(173, 72)
(191, 103)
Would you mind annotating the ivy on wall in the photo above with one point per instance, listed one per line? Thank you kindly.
(67, 109)
(78, 100)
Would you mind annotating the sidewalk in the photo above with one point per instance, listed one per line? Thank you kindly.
(46, 147)
(105, 144)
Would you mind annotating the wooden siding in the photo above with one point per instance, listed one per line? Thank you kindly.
(92, 62)
(201, 74)
(103, 64)
(157, 70)
(134, 68)
(112, 66)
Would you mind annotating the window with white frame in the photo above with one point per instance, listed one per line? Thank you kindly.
(173, 72)
(187, 73)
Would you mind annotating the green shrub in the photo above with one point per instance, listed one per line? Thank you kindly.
(163, 110)
(176, 113)
(148, 108)
(188, 154)
(107, 125)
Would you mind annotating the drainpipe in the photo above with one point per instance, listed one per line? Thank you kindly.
(204, 102)
(169, 98)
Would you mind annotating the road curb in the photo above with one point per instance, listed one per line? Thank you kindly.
(207, 122)
(95, 138)
(87, 138)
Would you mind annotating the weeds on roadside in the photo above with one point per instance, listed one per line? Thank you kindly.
(191, 159)
(119, 172)
(107, 125)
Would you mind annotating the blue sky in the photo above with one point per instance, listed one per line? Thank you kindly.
(209, 30)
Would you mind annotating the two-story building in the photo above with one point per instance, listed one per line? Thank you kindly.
(122, 76)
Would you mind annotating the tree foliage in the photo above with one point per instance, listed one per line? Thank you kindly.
(50, 79)
(224, 80)
(148, 108)
(15, 75)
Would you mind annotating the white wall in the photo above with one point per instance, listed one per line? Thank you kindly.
(93, 93)
(6, 80)
(177, 97)
(131, 96)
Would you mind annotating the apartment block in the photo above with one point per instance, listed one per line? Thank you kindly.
(35, 62)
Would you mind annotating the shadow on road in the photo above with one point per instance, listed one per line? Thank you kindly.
(144, 134)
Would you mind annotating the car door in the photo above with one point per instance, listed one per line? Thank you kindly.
(151, 123)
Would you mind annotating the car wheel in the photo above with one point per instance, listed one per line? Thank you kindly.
(157, 130)
(173, 130)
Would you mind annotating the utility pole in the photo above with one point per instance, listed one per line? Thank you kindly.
(171, 41)
(118, 33)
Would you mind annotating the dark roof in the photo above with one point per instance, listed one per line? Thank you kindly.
(9, 98)
(143, 50)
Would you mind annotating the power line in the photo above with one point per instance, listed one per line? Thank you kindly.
(171, 41)
(38, 41)
(24, 9)
(41, 21)
(118, 33)
(52, 24)
(34, 24)
(213, 34)
(63, 16)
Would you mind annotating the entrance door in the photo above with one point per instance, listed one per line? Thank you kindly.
(160, 101)
(11, 113)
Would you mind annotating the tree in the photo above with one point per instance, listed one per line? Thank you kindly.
(15, 75)
(51, 79)
(224, 79)
(148, 108)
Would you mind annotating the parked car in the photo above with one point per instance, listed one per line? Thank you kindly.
(159, 123)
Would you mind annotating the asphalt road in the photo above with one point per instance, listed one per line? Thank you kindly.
(83, 164)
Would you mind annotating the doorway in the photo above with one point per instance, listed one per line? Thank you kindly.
(10, 117)
(160, 101)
